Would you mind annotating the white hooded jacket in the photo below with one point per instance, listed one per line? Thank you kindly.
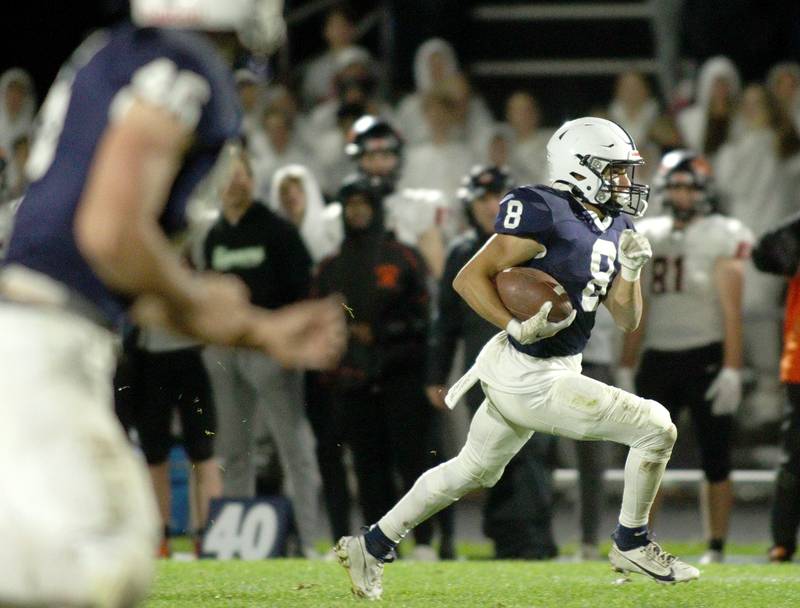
(12, 127)
(321, 228)
(693, 120)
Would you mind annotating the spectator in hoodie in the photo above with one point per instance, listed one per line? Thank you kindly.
(17, 107)
(528, 156)
(295, 196)
(783, 81)
(711, 121)
(340, 33)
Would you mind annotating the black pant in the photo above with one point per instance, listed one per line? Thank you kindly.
(786, 508)
(678, 379)
(170, 380)
(387, 426)
(329, 439)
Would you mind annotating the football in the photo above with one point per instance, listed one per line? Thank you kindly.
(524, 290)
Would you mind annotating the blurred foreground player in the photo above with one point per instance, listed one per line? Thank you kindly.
(531, 372)
(133, 124)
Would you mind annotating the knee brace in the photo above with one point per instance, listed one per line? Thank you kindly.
(659, 436)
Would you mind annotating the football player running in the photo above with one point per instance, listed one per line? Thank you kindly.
(578, 230)
(691, 331)
(129, 131)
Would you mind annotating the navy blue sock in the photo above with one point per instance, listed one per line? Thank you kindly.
(378, 544)
(630, 538)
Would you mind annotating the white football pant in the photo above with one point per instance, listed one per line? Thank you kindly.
(78, 521)
(559, 401)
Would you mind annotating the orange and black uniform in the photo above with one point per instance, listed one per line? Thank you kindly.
(778, 252)
(378, 391)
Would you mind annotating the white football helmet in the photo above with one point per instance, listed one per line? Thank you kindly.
(259, 23)
(579, 153)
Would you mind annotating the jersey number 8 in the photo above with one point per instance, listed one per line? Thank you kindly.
(601, 274)
(513, 215)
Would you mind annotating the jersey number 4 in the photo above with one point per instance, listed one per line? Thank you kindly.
(601, 267)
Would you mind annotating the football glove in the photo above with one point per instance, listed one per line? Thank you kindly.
(538, 327)
(634, 251)
(725, 392)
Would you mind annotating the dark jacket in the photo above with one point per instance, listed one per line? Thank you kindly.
(383, 282)
(266, 252)
(454, 319)
(778, 251)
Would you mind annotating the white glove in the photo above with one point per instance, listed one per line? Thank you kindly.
(634, 251)
(538, 327)
(623, 378)
(725, 392)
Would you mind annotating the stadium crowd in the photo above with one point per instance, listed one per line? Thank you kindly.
(339, 189)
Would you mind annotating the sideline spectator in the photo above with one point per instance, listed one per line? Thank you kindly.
(356, 82)
(296, 197)
(778, 252)
(529, 154)
(415, 216)
(711, 120)
(340, 34)
(434, 62)
(379, 385)
(783, 81)
(284, 146)
(17, 107)
(441, 163)
(168, 376)
(251, 96)
(633, 107)
(253, 392)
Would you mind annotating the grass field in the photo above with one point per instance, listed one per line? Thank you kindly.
(474, 583)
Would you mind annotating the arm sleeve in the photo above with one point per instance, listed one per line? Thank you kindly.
(523, 212)
(778, 251)
(446, 326)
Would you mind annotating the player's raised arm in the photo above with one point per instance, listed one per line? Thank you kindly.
(475, 283)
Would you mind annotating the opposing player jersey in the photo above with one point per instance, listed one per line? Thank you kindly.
(683, 308)
(580, 253)
(178, 71)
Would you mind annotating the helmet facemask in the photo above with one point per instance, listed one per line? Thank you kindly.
(610, 196)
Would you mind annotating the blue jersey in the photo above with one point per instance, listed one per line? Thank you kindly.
(178, 71)
(581, 254)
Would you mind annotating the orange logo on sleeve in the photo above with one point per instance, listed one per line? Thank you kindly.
(387, 275)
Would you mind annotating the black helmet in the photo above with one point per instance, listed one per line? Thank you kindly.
(372, 133)
(689, 169)
(482, 179)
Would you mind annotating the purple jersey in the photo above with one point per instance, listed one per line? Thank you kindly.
(177, 71)
(581, 254)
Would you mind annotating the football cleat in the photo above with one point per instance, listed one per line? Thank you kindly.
(652, 561)
(365, 571)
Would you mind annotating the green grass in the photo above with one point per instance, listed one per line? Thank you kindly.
(467, 584)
